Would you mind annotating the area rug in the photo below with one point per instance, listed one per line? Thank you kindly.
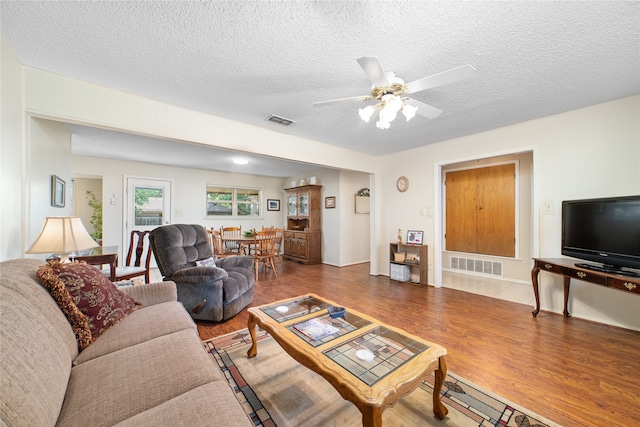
(275, 390)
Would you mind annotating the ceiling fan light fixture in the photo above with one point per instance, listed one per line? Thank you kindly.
(391, 104)
(367, 112)
(409, 111)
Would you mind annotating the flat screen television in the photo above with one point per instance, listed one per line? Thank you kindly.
(606, 231)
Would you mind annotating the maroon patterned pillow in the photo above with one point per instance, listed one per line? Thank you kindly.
(95, 295)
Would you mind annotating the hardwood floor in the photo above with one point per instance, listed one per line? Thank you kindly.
(572, 371)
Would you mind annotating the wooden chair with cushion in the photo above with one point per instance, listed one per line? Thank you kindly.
(138, 244)
(263, 251)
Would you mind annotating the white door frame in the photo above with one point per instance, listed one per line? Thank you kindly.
(128, 214)
(438, 192)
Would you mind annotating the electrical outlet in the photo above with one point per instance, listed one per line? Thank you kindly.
(547, 207)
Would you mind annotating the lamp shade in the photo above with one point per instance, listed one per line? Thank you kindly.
(62, 235)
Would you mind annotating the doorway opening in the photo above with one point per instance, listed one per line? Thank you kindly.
(514, 269)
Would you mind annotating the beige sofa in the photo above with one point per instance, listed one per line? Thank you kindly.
(150, 369)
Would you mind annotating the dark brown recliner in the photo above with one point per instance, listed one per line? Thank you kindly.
(216, 292)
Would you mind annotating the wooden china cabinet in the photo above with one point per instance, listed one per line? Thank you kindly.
(303, 235)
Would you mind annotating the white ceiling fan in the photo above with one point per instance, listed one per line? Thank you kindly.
(389, 91)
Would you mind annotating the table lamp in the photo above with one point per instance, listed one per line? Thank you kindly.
(62, 235)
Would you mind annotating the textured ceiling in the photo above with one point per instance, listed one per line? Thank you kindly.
(245, 60)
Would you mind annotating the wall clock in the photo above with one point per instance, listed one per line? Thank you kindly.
(402, 184)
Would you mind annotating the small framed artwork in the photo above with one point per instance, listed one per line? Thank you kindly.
(330, 202)
(273, 204)
(58, 190)
(414, 237)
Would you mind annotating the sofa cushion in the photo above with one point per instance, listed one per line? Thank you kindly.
(197, 407)
(38, 346)
(142, 325)
(109, 389)
(152, 293)
(94, 295)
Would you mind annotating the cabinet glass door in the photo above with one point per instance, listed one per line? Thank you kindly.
(291, 203)
(303, 204)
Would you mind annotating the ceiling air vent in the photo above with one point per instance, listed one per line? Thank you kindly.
(281, 120)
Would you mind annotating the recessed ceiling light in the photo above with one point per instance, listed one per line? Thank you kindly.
(240, 161)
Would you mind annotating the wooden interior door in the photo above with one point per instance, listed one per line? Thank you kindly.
(495, 218)
(461, 211)
(480, 210)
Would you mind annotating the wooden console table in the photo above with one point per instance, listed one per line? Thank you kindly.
(568, 269)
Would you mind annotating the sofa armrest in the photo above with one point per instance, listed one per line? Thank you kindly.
(199, 275)
(152, 293)
(241, 261)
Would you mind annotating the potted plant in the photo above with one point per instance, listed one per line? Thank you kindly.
(96, 216)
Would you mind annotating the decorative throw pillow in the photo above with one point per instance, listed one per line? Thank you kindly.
(79, 322)
(207, 262)
(94, 295)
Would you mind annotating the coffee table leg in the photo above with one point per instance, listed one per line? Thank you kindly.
(440, 374)
(371, 417)
(251, 325)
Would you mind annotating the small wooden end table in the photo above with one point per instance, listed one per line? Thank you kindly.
(369, 363)
(102, 255)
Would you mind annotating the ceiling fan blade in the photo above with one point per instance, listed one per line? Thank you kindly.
(440, 79)
(424, 109)
(373, 70)
(342, 101)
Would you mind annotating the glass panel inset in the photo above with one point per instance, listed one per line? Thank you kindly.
(303, 204)
(374, 354)
(288, 310)
(332, 327)
(291, 202)
(149, 205)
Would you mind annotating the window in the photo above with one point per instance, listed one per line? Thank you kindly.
(227, 201)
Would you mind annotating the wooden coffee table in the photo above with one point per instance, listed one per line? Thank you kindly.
(369, 363)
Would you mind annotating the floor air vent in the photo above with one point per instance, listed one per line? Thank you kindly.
(493, 268)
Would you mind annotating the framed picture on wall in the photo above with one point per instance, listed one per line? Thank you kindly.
(273, 204)
(58, 189)
(330, 202)
(414, 237)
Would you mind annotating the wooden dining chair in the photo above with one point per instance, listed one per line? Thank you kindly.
(277, 247)
(231, 239)
(217, 247)
(138, 244)
(263, 252)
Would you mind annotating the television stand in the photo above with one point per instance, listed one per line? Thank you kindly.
(569, 270)
(607, 269)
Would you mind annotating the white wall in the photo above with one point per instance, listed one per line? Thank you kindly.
(188, 194)
(355, 232)
(11, 154)
(49, 153)
(589, 152)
